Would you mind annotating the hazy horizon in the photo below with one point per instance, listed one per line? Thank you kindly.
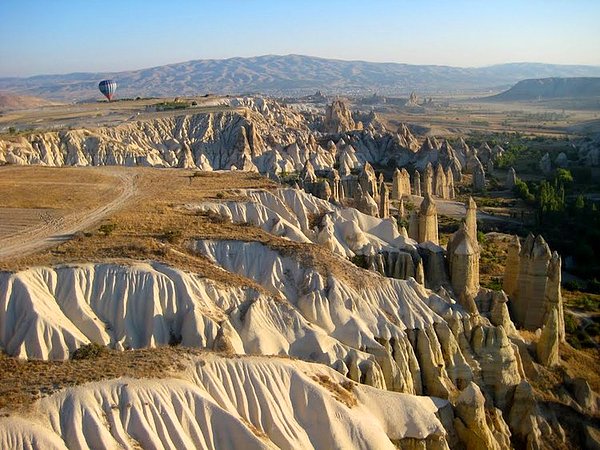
(134, 69)
(65, 38)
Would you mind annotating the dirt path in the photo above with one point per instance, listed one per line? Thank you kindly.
(47, 235)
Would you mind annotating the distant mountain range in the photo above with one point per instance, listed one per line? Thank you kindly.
(290, 75)
(551, 88)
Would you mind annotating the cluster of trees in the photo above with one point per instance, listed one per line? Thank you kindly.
(569, 222)
(523, 152)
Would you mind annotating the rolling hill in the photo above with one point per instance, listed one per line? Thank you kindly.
(13, 102)
(289, 75)
(551, 88)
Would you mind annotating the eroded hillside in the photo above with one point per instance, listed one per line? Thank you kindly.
(263, 229)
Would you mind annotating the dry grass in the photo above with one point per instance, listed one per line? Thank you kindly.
(149, 227)
(67, 188)
(33, 197)
(342, 392)
(24, 381)
(583, 301)
(583, 363)
(575, 363)
(156, 226)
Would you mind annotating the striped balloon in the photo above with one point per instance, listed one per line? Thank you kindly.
(108, 88)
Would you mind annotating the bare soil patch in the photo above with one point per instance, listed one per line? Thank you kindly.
(75, 198)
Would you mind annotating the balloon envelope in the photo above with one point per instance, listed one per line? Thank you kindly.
(108, 88)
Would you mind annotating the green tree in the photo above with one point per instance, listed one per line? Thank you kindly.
(522, 190)
(563, 176)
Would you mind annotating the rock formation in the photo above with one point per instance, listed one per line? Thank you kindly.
(405, 182)
(471, 160)
(471, 218)
(440, 187)
(553, 296)
(450, 160)
(417, 183)
(484, 153)
(427, 180)
(493, 305)
(583, 394)
(450, 183)
(397, 264)
(388, 332)
(321, 189)
(337, 191)
(384, 201)
(511, 179)
(463, 258)
(547, 346)
(396, 185)
(400, 184)
(365, 202)
(428, 223)
(406, 139)
(523, 417)
(308, 173)
(312, 184)
(413, 100)
(545, 164)
(537, 291)
(472, 425)
(561, 160)
(434, 266)
(413, 226)
(478, 178)
(501, 367)
(338, 118)
(368, 180)
(463, 264)
(210, 402)
(529, 304)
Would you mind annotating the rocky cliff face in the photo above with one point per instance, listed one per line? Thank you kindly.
(248, 134)
(213, 140)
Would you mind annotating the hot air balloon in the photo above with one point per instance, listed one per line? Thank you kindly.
(108, 88)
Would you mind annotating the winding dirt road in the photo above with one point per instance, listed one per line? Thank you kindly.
(46, 235)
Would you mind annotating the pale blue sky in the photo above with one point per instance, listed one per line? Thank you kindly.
(61, 36)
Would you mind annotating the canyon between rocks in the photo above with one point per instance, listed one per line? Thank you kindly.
(284, 270)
